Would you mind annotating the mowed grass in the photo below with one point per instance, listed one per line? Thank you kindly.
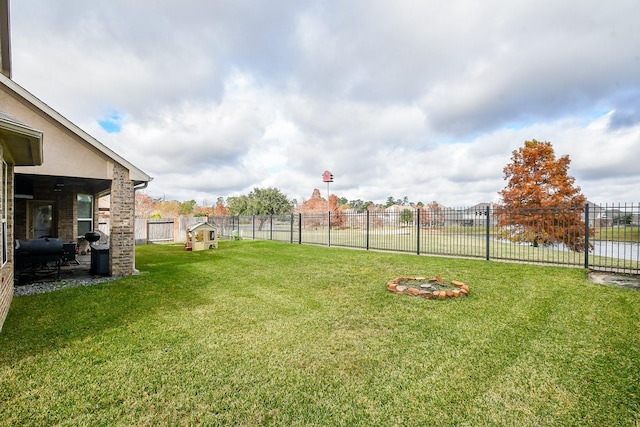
(268, 333)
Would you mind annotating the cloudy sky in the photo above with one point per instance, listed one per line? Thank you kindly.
(425, 99)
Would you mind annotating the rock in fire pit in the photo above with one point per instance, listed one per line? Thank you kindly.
(434, 288)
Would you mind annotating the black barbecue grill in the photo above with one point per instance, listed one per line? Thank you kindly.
(99, 254)
(38, 255)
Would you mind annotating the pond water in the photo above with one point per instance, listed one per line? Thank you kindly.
(620, 250)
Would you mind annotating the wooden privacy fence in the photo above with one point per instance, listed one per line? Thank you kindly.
(164, 229)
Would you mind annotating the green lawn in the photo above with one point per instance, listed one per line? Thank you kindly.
(618, 234)
(269, 333)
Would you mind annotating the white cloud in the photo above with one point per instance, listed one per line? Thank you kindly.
(424, 99)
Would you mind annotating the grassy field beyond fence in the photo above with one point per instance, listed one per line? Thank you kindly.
(470, 232)
(269, 333)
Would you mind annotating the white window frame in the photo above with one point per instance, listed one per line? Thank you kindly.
(85, 219)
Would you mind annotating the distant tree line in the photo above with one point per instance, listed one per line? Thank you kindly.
(260, 201)
(535, 179)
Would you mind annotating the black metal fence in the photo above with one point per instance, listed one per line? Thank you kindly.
(545, 235)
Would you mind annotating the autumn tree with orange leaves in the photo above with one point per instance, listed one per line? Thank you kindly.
(143, 205)
(315, 211)
(338, 218)
(423, 215)
(540, 203)
(436, 216)
(220, 209)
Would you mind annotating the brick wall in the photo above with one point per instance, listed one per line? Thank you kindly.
(6, 271)
(66, 210)
(122, 238)
(6, 293)
(65, 207)
(20, 219)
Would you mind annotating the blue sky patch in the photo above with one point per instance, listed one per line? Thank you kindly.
(112, 123)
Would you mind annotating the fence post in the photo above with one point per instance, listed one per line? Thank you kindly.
(291, 230)
(271, 227)
(367, 235)
(329, 228)
(300, 228)
(253, 227)
(488, 222)
(586, 235)
(418, 229)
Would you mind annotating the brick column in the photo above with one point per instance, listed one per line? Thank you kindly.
(122, 237)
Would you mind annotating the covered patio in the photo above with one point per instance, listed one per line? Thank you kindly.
(59, 198)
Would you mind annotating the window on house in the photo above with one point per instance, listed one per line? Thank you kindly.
(3, 211)
(85, 214)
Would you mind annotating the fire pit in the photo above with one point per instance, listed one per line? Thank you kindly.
(434, 288)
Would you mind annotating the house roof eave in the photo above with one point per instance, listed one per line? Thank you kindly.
(23, 144)
(135, 174)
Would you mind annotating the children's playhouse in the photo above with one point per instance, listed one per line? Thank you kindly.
(201, 236)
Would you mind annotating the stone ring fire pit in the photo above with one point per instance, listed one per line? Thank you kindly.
(434, 288)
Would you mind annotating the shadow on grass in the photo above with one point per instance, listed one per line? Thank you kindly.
(41, 323)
